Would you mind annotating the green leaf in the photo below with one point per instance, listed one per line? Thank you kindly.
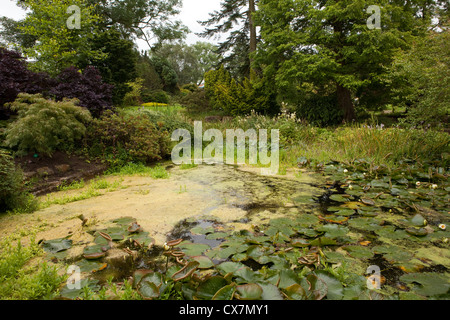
(186, 271)
(57, 245)
(193, 249)
(249, 291)
(270, 291)
(204, 262)
(148, 290)
(335, 290)
(295, 292)
(225, 293)
(207, 289)
(359, 252)
(427, 284)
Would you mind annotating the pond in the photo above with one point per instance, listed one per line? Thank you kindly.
(305, 235)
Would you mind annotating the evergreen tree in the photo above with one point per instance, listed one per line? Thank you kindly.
(328, 48)
(236, 17)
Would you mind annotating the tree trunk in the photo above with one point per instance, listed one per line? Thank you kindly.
(345, 103)
(252, 27)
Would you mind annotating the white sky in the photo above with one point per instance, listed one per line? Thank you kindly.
(192, 11)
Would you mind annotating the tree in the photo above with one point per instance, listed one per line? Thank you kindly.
(16, 78)
(420, 79)
(148, 20)
(327, 48)
(235, 18)
(58, 46)
(87, 86)
(118, 66)
(190, 62)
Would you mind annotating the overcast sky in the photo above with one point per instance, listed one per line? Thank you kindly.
(192, 11)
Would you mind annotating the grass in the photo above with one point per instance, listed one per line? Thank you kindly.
(95, 188)
(22, 280)
(139, 169)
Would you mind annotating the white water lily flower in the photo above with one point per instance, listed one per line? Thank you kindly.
(418, 183)
(166, 247)
(350, 187)
(345, 170)
(433, 186)
(442, 226)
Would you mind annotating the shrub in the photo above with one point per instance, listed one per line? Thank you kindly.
(123, 138)
(234, 98)
(133, 97)
(12, 193)
(192, 87)
(420, 80)
(320, 111)
(44, 126)
(88, 87)
(196, 100)
(158, 96)
(16, 78)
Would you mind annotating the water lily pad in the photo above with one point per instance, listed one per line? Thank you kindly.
(225, 293)
(90, 265)
(359, 252)
(143, 238)
(393, 254)
(193, 249)
(94, 256)
(338, 198)
(334, 219)
(57, 245)
(249, 291)
(368, 201)
(392, 232)
(299, 242)
(427, 284)
(124, 221)
(270, 291)
(148, 290)
(335, 290)
(76, 290)
(186, 271)
(229, 267)
(345, 212)
(207, 289)
(295, 292)
(379, 184)
(134, 228)
(419, 232)
(317, 288)
(323, 241)
(153, 277)
(216, 235)
(366, 223)
(204, 262)
(333, 230)
(306, 220)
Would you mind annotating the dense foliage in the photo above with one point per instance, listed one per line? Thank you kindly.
(235, 98)
(420, 80)
(119, 138)
(16, 78)
(13, 194)
(44, 126)
(87, 86)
